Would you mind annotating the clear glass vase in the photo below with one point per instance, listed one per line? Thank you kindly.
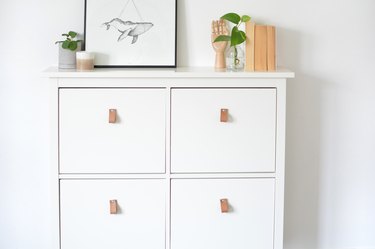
(235, 59)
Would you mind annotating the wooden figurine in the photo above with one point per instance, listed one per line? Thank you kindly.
(219, 28)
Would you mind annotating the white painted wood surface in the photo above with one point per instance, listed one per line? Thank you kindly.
(86, 221)
(134, 144)
(201, 143)
(164, 99)
(183, 72)
(197, 220)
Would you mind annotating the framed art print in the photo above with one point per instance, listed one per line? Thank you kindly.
(131, 33)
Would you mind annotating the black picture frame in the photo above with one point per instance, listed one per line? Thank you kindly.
(131, 33)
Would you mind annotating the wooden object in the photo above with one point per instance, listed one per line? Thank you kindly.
(250, 40)
(219, 28)
(224, 115)
(271, 48)
(171, 161)
(260, 54)
(224, 205)
(112, 116)
(113, 206)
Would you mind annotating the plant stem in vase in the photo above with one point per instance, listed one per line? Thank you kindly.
(235, 59)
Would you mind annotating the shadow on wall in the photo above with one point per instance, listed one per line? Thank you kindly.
(303, 140)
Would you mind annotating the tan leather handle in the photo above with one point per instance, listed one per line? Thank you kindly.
(113, 206)
(224, 115)
(112, 116)
(224, 205)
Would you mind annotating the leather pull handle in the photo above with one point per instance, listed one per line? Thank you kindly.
(113, 206)
(224, 205)
(112, 116)
(224, 115)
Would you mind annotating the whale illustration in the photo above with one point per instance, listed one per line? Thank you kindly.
(128, 28)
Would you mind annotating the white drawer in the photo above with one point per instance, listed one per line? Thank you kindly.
(200, 142)
(197, 220)
(135, 143)
(86, 221)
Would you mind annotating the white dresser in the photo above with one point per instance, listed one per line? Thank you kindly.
(167, 159)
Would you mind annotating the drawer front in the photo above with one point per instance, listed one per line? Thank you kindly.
(86, 221)
(133, 143)
(196, 213)
(202, 142)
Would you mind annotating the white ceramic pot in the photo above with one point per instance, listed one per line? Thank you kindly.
(67, 58)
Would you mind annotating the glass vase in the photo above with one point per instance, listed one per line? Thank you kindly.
(235, 59)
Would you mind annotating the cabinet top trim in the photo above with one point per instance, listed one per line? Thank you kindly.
(182, 72)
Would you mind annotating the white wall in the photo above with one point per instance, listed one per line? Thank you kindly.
(330, 44)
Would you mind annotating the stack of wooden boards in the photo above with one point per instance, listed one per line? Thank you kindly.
(260, 47)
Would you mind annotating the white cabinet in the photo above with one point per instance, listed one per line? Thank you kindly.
(167, 159)
(133, 143)
(200, 142)
(198, 222)
(86, 220)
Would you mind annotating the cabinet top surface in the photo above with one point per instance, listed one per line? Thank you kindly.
(182, 72)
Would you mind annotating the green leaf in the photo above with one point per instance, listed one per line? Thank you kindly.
(238, 37)
(222, 38)
(243, 34)
(232, 17)
(69, 38)
(66, 44)
(72, 34)
(73, 45)
(245, 18)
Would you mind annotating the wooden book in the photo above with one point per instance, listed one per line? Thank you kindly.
(271, 48)
(250, 39)
(260, 48)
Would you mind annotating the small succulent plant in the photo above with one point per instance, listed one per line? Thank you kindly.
(70, 42)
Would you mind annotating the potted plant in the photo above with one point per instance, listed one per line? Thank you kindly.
(68, 49)
(235, 56)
